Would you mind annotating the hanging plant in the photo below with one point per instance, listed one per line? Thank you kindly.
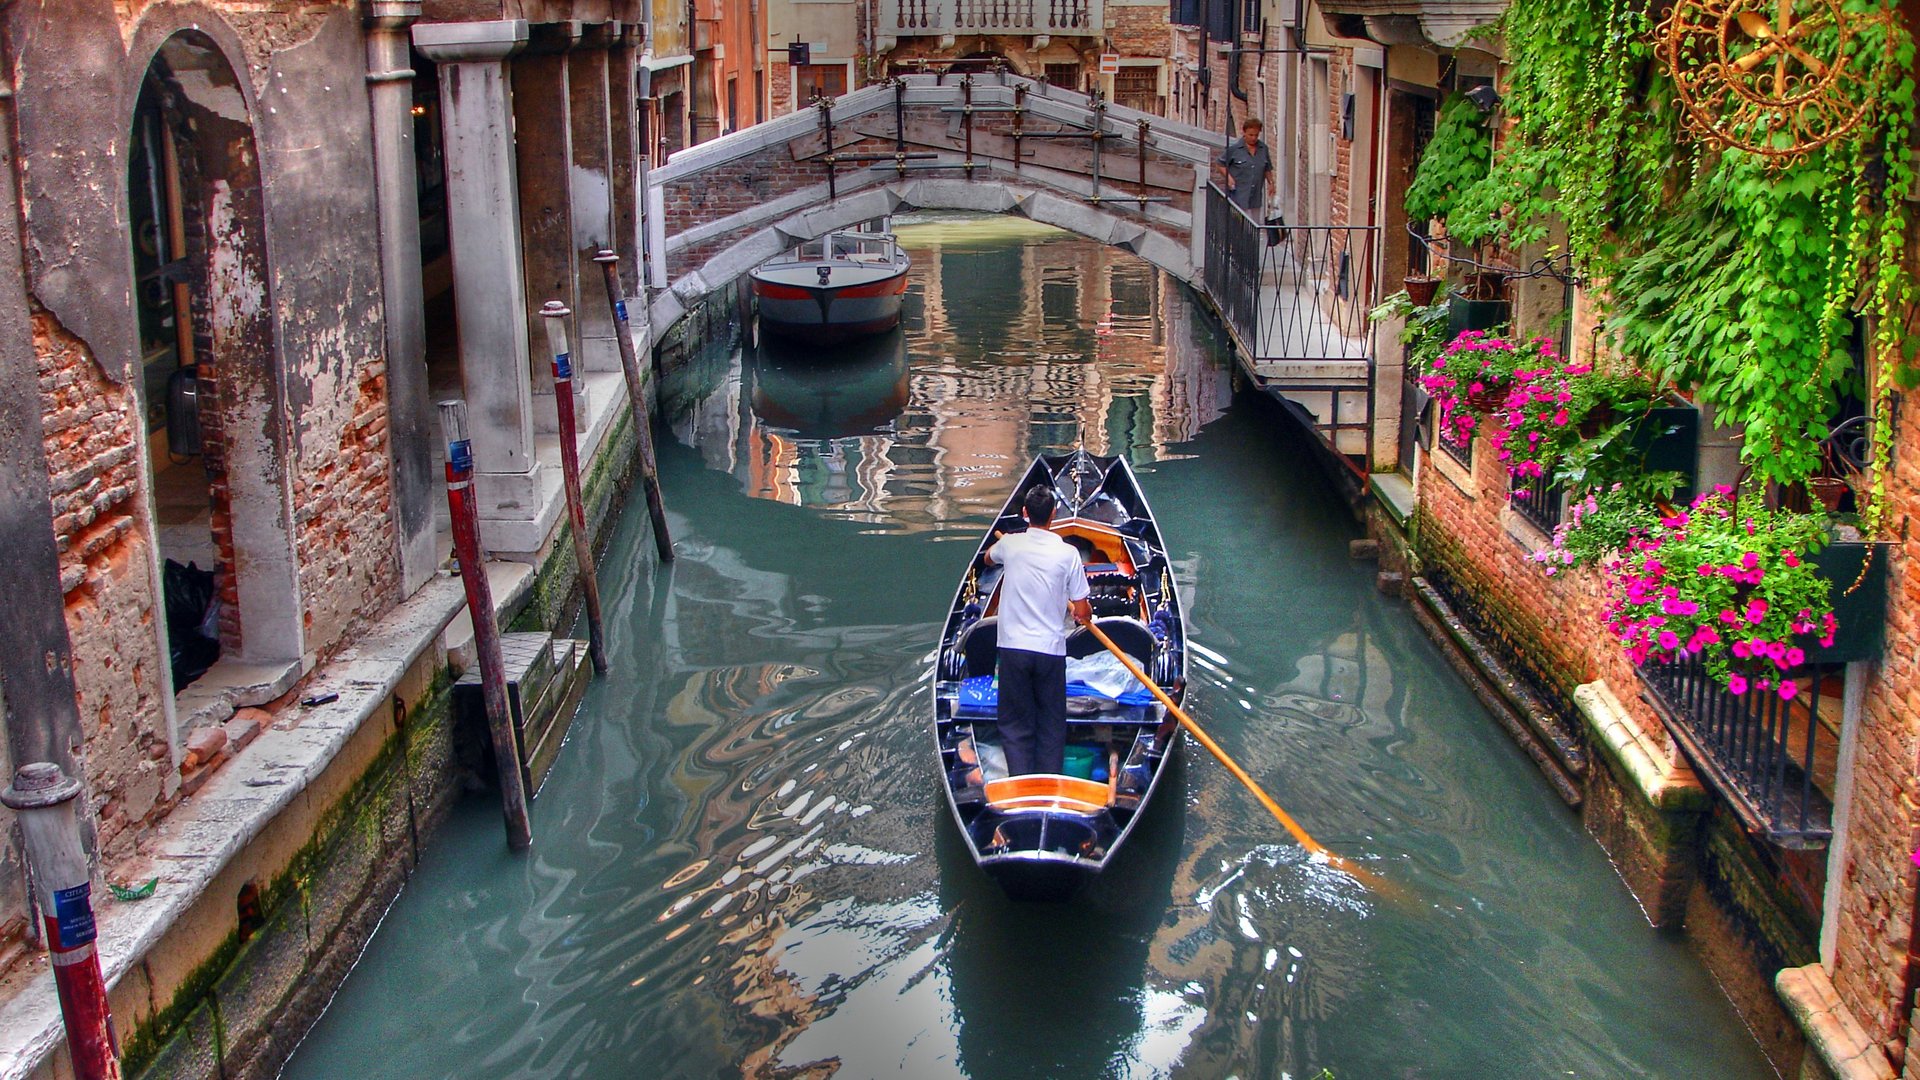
(1720, 272)
(1472, 376)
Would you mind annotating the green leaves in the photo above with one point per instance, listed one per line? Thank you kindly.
(1455, 159)
(1721, 274)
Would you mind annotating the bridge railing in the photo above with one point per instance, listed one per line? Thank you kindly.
(914, 18)
(1291, 292)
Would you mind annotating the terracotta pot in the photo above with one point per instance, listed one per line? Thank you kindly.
(1487, 400)
(1829, 490)
(1420, 290)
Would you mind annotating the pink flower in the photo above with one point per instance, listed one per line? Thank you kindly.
(1669, 640)
(1737, 683)
(1790, 558)
(1795, 656)
(1742, 650)
(1788, 690)
(1756, 611)
(1560, 418)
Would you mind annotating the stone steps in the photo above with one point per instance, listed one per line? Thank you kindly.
(546, 677)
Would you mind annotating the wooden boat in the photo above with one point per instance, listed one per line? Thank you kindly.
(840, 286)
(1044, 836)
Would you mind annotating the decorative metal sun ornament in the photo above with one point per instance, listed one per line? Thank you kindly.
(1779, 78)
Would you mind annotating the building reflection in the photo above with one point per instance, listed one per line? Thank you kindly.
(1008, 347)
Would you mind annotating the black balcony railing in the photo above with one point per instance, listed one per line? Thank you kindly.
(1291, 292)
(1537, 500)
(1772, 759)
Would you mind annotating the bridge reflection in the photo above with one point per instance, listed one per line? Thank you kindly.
(1007, 346)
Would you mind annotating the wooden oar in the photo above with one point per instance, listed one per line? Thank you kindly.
(1240, 774)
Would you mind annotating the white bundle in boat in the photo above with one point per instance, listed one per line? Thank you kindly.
(1104, 672)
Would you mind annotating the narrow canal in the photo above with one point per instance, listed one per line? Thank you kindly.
(743, 864)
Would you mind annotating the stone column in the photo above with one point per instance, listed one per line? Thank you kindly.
(409, 412)
(592, 191)
(543, 142)
(489, 289)
(36, 657)
(629, 155)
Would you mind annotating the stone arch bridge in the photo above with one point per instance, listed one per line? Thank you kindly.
(1294, 301)
(990, 142)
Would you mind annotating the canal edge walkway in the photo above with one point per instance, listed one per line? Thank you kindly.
(217, 823)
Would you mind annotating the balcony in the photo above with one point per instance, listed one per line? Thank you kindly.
(936, 18)
(1772, 760)
(1295, 298)
(1442, 23)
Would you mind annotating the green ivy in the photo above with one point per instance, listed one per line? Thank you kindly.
(1718, 273)
(1455, 160)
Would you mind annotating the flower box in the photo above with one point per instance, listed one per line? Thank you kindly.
(1668, 440)
(1464, 314)
(1862, 613)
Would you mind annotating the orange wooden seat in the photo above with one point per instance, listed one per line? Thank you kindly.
(1047, 791)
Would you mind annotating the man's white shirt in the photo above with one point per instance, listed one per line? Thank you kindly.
(1043, 574)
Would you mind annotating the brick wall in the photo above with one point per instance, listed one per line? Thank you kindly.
(342, 512)
(1139, 31)
(1876, 879)
(93, 429)
(1469, 531)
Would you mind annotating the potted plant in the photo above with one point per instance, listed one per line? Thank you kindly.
(1470, 377)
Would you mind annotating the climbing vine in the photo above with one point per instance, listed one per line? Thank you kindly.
(1455, 160)
(1717, 272)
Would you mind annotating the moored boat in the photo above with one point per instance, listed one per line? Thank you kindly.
(1044, 836)
(839, 286)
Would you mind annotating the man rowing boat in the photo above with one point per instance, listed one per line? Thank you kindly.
(1044, 580)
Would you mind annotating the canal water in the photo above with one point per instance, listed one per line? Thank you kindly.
(743, 865)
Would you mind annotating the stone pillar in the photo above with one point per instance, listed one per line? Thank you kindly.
(629, 154)
(592, 191)
(489, 289)
(36, 657)
(409, 410)
(543, 143)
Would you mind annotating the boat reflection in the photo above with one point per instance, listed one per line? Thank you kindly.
(1010, 961)
(856, 388)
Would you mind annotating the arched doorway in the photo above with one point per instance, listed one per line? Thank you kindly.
(216, 425)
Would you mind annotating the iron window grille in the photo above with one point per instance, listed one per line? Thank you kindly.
(1771, 759)
(1538, 501)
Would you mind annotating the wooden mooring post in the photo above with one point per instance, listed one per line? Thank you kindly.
(637, 396)
(486, 632)
(555, 315)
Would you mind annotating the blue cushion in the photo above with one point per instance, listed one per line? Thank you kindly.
(983, 692)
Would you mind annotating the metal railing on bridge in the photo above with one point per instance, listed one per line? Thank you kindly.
(1297, 297)
(1292, 292)
(913, 18)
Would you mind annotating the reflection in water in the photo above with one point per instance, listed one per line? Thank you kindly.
(743, 865)
(1099, 349)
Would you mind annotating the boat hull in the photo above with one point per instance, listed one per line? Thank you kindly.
(826, 314)
(1047, 837)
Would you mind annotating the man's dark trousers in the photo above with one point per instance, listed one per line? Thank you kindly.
(1033, 711)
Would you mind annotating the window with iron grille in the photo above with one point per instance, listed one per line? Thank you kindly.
(1537, 500)
(1771, 757)
(1065, 76)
